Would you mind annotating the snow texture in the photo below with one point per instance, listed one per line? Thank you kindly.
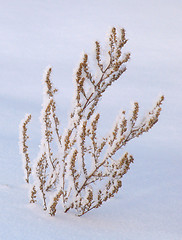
(35, 34)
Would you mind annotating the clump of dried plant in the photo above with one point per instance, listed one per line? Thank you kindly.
(85, 171)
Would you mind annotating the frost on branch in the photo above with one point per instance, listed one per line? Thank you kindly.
(77, 168)
(24, 148)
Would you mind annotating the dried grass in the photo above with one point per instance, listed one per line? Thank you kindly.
(85, 171)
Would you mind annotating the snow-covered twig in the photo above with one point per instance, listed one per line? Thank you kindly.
(85, 171)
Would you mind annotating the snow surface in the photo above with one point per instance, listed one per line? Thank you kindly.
(34, 34)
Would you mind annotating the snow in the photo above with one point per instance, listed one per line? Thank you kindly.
(34, 34)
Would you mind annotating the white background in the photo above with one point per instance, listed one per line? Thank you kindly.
(34, 34)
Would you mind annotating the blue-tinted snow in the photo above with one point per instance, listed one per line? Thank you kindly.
(34, 34)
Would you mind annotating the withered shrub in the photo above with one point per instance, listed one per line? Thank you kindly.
(85, 171)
